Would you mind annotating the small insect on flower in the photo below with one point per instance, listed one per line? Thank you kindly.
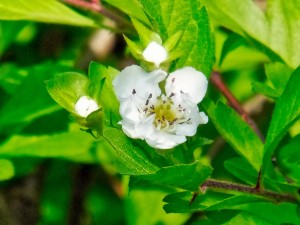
(162, 119)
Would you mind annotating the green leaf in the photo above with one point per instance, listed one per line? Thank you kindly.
(130, 7)
(265, 90)
(277, 30)
(236, 132)
(289, 159)
(26, 104)
(108, 99)
(8, 33)
(145, 204)
(242, 170)
(286, 112)
(11, 77)
(145, 34)
(51, 11)
(66, 88)
(130, 159)
(278, 74)
(7, 169)
(184, 176)
(97, 76)
(173, 16)
(231, 43)
(210, 201)
(65, 145)
(233, 218)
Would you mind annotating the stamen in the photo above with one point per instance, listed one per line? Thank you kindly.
(171, 95)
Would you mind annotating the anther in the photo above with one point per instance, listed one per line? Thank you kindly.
(133, 91)
(150, 96)
(147, 102)
(173, 80)
(171, 95)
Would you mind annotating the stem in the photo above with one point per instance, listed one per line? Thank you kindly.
(96, 7)
(214, 184)
(234, 103)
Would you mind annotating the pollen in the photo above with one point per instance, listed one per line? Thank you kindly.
(165, 113)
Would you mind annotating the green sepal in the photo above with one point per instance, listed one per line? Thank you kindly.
(66, 88)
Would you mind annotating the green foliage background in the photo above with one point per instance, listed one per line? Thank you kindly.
(55, 173)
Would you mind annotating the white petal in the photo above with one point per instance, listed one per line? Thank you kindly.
(189, 128)
(203, 118)
(134, 80)
(155, 53)
(129, 110)
(85, 105)
(129, 129)
(163, 140)
(189, 81)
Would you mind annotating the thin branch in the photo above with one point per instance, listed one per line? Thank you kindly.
(234, 103)
(215, 184)
(96, 7)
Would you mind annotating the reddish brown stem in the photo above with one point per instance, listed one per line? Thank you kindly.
(92, 6)
(96, 7)
(215, 184)
(234, 103)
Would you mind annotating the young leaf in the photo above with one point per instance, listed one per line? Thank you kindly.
(278, 74)
(50, 11)
(66, 88)
(130, 159)
(97, 76)
(265, 89)
(236, 132)
(287, 110)
(170, 17)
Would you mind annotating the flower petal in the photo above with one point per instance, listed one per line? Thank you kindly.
(85, 106)
(189, 128)
(203, 118)
(129, 110)
(134, 80)
(187, 80)
(155, 53)
(164, 140)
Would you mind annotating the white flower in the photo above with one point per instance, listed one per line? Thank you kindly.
(163, 120)
(155, 53)
(85, 106)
